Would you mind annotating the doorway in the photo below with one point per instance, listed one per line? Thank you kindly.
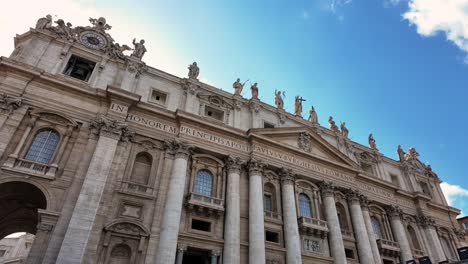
(196, 256)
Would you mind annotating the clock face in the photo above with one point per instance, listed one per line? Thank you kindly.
(93, 40)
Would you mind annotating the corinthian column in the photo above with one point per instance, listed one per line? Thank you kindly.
(171, 216)
(428, 225)
(79, 229)
(291, 230)
(256, 221)
(232, 223)
(336, 240)
(394, 212)
(370, 231)
(360, 231)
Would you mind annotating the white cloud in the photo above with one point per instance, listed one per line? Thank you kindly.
(20, 15)
(335, 4)
(440, 16)
(453, 193)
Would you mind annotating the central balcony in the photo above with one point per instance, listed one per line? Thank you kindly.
(205, 204)
(388, 248)
(314, 226)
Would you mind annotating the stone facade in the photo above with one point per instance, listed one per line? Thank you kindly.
(108, 160)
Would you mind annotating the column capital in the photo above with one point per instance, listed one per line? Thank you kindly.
(393, 211)
(353, 196)
(234, 164)
(178, 148)
(287, 176)
(424, 220)
(112, 128)
(255, 166)
(364, 202)
(327, 189)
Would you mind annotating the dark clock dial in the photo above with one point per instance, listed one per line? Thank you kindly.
(93, 40)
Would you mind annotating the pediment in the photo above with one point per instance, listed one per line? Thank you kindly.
(307, 141)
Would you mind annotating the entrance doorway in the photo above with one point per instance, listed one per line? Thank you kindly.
(196, 256)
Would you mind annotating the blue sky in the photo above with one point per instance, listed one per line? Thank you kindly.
(396, 68)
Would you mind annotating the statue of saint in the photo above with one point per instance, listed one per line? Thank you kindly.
(298, 106)
(140, 48)
(279, 100)
(401, 153)
(344, 129)
(44, 22)
(194, 71)
(412, 154)
(333, 126)
(63, 30)
(372, 144)
(238, 86)
(313, 115)
(254, 91)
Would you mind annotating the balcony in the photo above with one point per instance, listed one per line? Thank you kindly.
(272, 216)
(347, 234)
(388, 248)
(417, 252)
(205, 204)
(137, 189)
(313, 226)
(31, 168)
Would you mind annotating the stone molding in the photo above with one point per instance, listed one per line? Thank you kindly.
(108, 127)
(393, 211)
(287, 176)
(255, 167)
(327, 189)
(179, 149)
(234, 164)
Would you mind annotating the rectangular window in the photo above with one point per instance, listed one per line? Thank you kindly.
(158, 97)
(465, 225)
(214, 113)
(367, 168)
(79, 68)
(201, 225)
(349, 253)
(272, 236)
(2, 253)
(268, 125)
(394, 179)
(268, 203)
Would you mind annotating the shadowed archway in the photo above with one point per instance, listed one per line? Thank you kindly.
(19, 204)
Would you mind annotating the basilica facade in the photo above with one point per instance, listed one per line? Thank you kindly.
(108, 160)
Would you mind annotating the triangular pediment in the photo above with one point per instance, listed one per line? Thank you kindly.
(307, 141)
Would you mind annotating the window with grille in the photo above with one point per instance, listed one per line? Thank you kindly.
(203, 183)
(376, 227)
(304, 205)
(268, 203)
(43, 146)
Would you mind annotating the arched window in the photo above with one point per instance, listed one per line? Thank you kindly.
(376, 227)
(341, 213)
(142, 168)
(447, 248)
(413, 237)
(305, 208)
(121, 254)
(43, 146)
(269, 197)
(204, 183)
